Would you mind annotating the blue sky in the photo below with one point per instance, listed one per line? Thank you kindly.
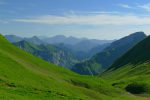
(100, 19)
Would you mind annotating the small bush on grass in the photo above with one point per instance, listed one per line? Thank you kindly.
(138, 88)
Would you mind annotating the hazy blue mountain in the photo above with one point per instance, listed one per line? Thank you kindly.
(63, 39)
(55, 40)
(72, 40)
(104, 59)
(50, 53)
(34, 40)
(82, 48)
(87, 45)
(13, 38)
(98, 49)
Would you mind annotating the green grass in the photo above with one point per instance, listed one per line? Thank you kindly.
(25, 77)
(131, 72)
(131, 78)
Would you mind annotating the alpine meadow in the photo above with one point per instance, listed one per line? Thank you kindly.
(74, 50)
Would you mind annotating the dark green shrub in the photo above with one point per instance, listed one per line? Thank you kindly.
(138, 88)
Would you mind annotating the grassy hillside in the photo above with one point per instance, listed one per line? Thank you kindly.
(132, 70)
(25, 77)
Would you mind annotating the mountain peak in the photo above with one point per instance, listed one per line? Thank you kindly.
(139, 53)
(35, 37)
(23, 42)
(137, 36)
(105, 58)
(140, 33)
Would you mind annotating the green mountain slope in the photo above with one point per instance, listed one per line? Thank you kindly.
(50, 53)
(132, 70)
(25, 77)
(104, 59)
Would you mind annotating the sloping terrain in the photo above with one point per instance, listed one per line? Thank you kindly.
(13, 38)
(81, 48)
(34, 40)
(50, 53)
(131, 72)
(25, 77)
(104, 59)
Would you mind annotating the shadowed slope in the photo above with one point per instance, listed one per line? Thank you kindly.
(101, 61)
(132, 71)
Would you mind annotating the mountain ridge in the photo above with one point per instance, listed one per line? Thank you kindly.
(106, 57)
(131, 71)
(50, 53)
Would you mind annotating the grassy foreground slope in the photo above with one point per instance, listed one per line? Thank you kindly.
(25, 77)
(132, 70)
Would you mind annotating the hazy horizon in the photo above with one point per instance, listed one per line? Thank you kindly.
(105, 20)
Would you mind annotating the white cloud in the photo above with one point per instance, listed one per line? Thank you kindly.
(99, 19)
(145, 6)
(137, 6)
(97, 12)
(125, 6)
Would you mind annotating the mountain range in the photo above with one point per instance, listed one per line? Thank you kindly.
(26, 77)
(68, 50)
(51, 53)
(102, 60)
(80, 47)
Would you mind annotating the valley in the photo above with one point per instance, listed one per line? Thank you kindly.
(27, 74)
(74, 50)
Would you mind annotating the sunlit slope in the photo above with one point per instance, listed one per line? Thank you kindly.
(132, 71)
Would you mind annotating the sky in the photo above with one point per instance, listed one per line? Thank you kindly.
(96, 19)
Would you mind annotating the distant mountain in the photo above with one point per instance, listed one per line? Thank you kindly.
(34, 40)
(101, 61)
(62, 39)
(82, 48)
(87, 48)
(13, 38)
(98, 49)
(87, 45)
(50, 53)
(55, 40)
(70, 40)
